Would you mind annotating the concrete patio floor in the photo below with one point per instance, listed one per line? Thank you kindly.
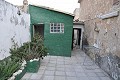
(77, 67)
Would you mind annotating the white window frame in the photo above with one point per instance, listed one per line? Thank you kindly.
(55, 30)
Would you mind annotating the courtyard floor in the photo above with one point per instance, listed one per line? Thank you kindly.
(77, 67)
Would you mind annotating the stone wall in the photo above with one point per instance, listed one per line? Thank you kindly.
(14, 26)
(103, 33)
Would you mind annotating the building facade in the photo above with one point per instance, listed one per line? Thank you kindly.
(102, 25)
(55, 26)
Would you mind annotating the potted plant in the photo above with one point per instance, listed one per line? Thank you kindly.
(22, 59)
(10, 69)
(18, 54)
(31, 52)
(36, 51)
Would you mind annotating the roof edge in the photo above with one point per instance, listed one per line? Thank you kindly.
(53, 9)
(79, 1)
(78, 23)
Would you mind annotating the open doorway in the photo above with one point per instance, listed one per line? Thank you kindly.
(38, 28)
(76, 38)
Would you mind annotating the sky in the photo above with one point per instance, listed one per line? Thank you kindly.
(63, 5)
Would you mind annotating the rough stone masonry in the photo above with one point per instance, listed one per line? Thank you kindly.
(102, 31)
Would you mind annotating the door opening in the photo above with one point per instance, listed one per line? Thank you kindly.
(76, 38)
(38, 28)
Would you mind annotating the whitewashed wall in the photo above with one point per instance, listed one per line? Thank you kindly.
(13, 26)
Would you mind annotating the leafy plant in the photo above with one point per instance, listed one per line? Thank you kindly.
(8, 67)
(37, 46)
(30, 50)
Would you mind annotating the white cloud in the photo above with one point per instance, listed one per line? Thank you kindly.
(64, 5)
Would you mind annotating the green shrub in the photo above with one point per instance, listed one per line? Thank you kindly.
(37, 46)
(7, 67)
(31, 50)
(28, 51)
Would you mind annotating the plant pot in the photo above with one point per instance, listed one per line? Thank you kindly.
(32, 67)
(18, 77)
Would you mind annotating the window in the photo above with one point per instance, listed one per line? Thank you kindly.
(56, 28)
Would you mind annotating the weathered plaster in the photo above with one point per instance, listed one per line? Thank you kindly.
(108, 36)
(13, 26)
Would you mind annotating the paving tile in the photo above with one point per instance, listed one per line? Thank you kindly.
(88, 63)
(80, 63)
(105, 78)
(40, 71)
(60, 57)
(101, 74)
(53, 58)
(48, 78)
(79, 74)
(35, 76)
(78, 67)
(60, 78)
(94, 78)
(71, 74)
(83, 78)
(60, 73)
(60, 69)
(95, 66)
(90, 68)
(67, 62)
(49, 73)
(98, 70)
(44, 63)
(67, 68)
(61, 62)
(59, 65)
(91, 74)
(53, 62)
(72, 78)
(79, 70)
(70, 69)
(67, 58)
(27, 76)
(74, 62)
(51, 65)
(88, 71)
(42, 67)
(50, 68)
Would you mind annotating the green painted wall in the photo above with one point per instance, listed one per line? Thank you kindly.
(59, 44)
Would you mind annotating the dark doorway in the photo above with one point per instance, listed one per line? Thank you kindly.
(39, 28)
(76, 38)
